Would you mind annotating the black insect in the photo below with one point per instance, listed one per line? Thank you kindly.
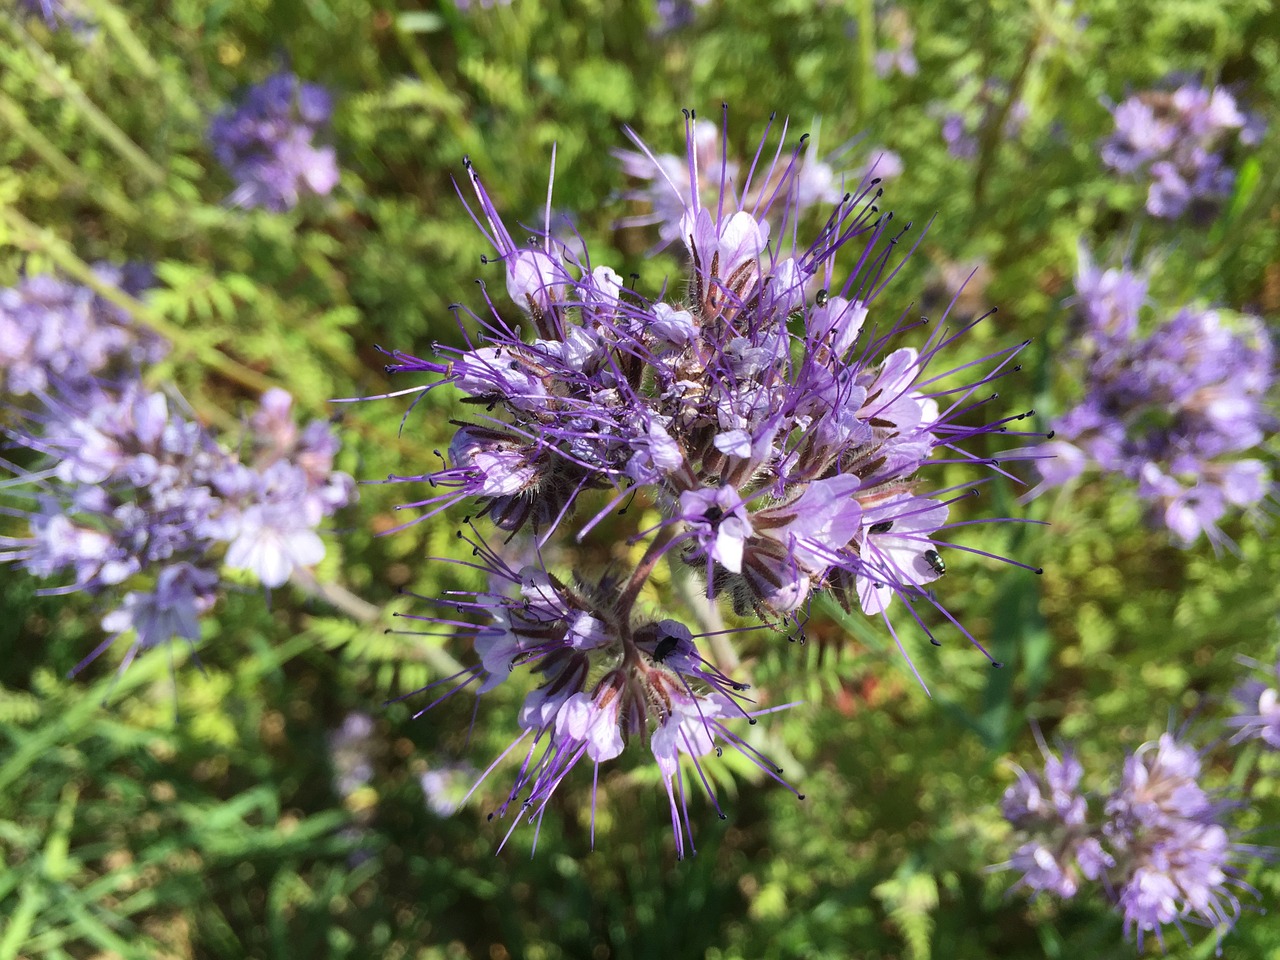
(821, 298)
(664, 648)
(934, 560)
(884, 526)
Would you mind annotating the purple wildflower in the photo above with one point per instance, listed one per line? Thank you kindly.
(268, 145)
(1176, 140)
(767, 419)
(133, 493)
(1158, 846)
(1259, 717)
(1170, 411)
(899, 55)
(56, 335)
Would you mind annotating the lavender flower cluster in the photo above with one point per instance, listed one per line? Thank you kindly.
(770, 429)
(130, 497)
(1177, 139)
(1171, 410)
(1160, 849)
(268, 144)
(55, 333)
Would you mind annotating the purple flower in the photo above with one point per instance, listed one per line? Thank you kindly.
(899, 55)
(761, 412)
(1259, 717)
(134, 494)
(1171, 410)
(1161, 849)
(58, 335)
(268, 144)
(1176, 140)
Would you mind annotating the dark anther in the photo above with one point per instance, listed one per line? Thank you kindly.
(751, 720)
(1049, 435)
(1038, 571)
(799, 796)
(484, 259)
(997, 664)
(804, 138)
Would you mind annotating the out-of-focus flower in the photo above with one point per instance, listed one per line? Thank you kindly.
(763, 413)
(1158, 846)
(675, 14)
(1176, 139)
(1171, 410)
(445, 787)
(129, 497)
(268, 144)
(898, 55)
(964, 123)
(1259, 716)
(57, 335)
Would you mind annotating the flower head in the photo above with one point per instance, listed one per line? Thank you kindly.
(1171, 410)
(1159, 845)
(1177, 140)
(268, 144)
(764, 415)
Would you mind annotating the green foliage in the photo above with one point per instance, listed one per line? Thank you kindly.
(184, 810)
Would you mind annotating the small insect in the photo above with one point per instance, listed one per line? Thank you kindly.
(821, 298)
(934, 560)
(884, 526)
(663, 648)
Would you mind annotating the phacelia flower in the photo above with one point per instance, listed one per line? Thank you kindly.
(1259, 716)
(57, 335)
(1172, 410)
(761, 411)
(1177, 140)
(134, 499)
(1158, 846)
(269, 144)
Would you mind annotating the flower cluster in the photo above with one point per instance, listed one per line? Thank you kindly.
(135, 493)
(778, 438)
(1169, 410)
(129, 495)
(268, 144)
(1176, 140)
(59, 335)
(1259, 718)
(1157, 846)
(810, 183)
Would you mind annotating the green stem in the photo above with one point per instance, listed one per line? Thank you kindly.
(35, 238)
(61, 85)
(114, 203)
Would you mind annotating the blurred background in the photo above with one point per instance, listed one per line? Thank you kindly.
(265, 803)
